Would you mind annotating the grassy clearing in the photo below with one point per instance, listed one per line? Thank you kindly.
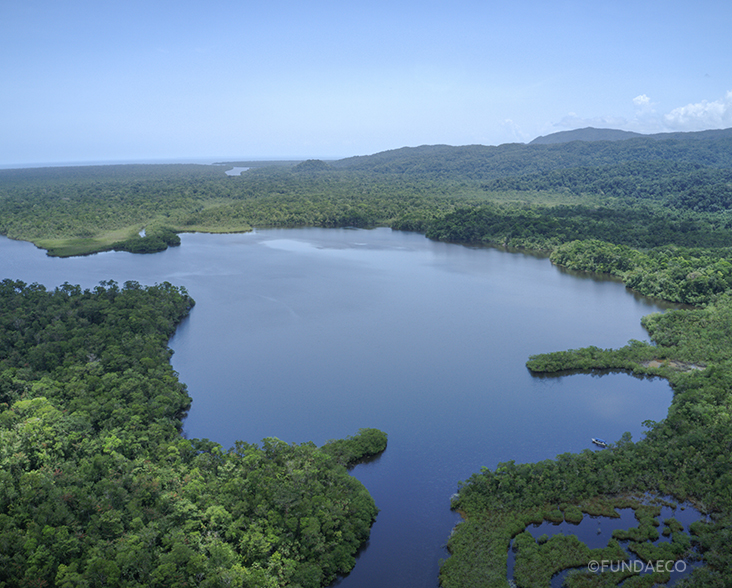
(229, 228)
(71, 246)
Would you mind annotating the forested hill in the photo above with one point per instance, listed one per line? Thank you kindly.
(707, 148)
(593, 134)
(586, 134)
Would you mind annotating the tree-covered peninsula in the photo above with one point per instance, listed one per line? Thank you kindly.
(99, 488)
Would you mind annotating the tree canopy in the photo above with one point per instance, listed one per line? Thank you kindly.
(99, 488)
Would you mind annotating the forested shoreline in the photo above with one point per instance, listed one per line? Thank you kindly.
(685, 456)
(654, 212)
(99, 488)
(643, 192)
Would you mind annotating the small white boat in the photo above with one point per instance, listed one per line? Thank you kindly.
(599, 442)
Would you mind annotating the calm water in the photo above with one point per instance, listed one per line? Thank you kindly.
(310, 334)
(236, 171)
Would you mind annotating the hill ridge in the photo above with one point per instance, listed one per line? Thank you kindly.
(591, 134)
(708, 148)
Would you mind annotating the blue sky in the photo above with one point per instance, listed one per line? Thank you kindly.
(103, 80)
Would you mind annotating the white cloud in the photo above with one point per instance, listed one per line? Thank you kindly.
(692, 117)
(513, 132)
(702, 115)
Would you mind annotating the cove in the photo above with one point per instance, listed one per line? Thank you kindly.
(310, 334)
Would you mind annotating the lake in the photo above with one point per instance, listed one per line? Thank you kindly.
(311, 334)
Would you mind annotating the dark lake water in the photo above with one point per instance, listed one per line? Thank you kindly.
(311, 334)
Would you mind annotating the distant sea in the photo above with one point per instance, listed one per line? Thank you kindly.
(207, 161)
(203, 161)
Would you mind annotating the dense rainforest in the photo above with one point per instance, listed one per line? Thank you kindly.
(672, 191)
(98, 485)
(99, 488)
